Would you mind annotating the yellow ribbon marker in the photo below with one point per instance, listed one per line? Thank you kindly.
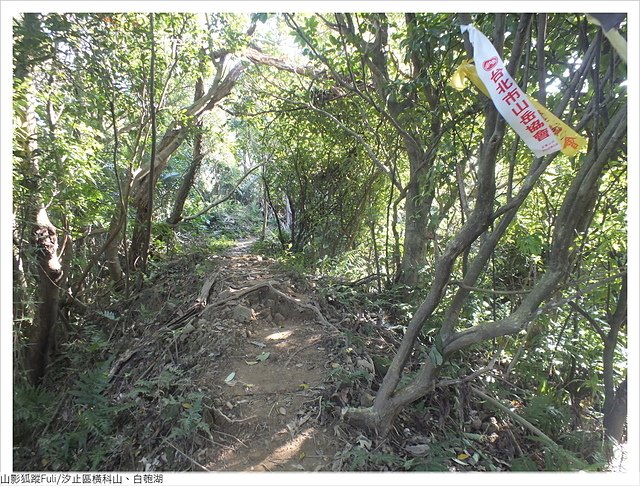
(571, 142)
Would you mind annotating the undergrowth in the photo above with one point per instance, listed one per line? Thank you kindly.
(75, 421)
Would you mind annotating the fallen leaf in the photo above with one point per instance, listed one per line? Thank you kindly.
(186, 405)
(250, 363)
(304, 419)
(231, 376)
(463, 456)
(258, 343)
(282, 411)
(302, 456)
(263, 356)
(304, 386)
(459, 462)
(364, 442)
(418, 449)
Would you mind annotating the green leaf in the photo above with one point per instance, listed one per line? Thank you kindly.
(439, 344)
(263, 356)
(435, 356)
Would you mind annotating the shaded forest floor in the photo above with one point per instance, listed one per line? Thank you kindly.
(232, 362)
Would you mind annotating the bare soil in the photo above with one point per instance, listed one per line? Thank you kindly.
(261, 351)
(272, 407)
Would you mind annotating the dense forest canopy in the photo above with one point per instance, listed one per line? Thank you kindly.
(339, 146)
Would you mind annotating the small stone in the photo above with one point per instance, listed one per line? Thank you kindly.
(225, 294)
(243, 314)
(366, 400)
(186, 330)
(363, 363)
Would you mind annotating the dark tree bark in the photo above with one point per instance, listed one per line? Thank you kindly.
(571, 221)
(44, 240)
(615, 401)
(49, 275)
(172, 138)
(615, 417)
(192, 171)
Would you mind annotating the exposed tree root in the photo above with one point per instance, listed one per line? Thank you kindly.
(270, 285)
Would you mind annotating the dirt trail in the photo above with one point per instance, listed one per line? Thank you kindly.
(269, 379)
(240, 376)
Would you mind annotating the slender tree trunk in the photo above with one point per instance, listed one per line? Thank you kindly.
(189, 177)
(615, 401)
(571, 220)
(172, 138)
(147, 214)
(616, 414)
(417, 210)
(265, 207)
(49, 275)
(44, 238)
(111, 247)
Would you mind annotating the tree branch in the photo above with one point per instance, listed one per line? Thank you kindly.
(222, 199)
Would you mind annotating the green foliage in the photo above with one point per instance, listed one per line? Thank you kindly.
(233, 220)
(185, 412)
(523, 464)
(586, 444)
(347, 377)
(89, 435)
(328, 152)
(362, 459)
(547, 414)
(33, 408)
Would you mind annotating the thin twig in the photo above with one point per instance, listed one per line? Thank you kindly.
(187, 457)
(475, 374)
(230, 420)
(232, 436)
(319, 408)
(490, 291)
(528, 425)
(210, 439)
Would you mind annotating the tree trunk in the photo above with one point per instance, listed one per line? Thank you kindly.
(265, 206)
(573, 215)
(615, 401)
(111, 248)
(49, 275)
(417, 210)
(20, 287)
(615, 416)
(189, 177)
(171, 140)
(44, 239)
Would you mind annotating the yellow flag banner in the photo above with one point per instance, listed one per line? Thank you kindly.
(570, 142)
